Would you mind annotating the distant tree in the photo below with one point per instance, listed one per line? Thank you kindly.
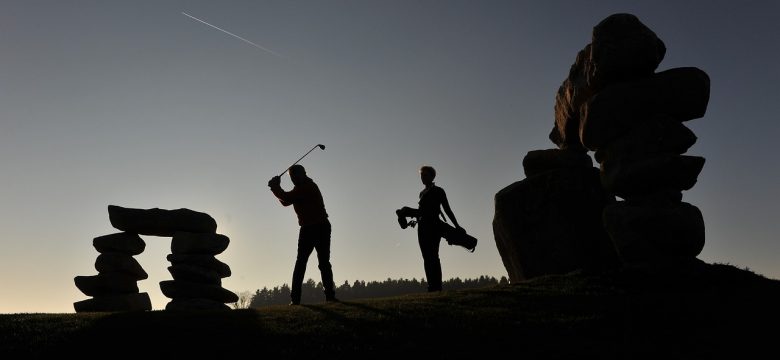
(244, 300)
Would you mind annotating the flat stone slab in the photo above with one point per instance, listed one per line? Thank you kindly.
(124, 242)
(113, 283)
(195, 273)
(128, 302)
(160, 222)
(195, 305)
(198, 243)
(117, 262)
(176, 289)
(208, 261)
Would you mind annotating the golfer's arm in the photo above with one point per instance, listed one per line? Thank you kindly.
(287, 198)
(446, 204)
(410, 212)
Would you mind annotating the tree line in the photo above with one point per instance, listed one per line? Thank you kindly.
(312, 291)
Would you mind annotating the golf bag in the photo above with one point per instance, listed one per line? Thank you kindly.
(452, 235)
(457, 236)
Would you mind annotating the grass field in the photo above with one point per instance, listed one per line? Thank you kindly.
(717, 312)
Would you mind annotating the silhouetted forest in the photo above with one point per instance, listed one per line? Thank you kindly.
(312, 291)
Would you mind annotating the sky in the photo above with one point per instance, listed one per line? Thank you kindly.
(132, 103)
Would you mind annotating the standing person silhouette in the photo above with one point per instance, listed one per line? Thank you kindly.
(429, 233)
(314, 233)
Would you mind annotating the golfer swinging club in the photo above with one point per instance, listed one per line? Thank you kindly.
(315, 229)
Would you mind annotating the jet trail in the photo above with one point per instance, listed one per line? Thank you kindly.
(234, 35)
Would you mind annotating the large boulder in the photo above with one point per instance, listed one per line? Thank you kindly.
(160, 222)
(621, 49)
(550, 223)
(632, 177)
(681, 94)
(655, 234)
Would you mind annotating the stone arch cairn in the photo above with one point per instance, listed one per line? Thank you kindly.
(197, 274)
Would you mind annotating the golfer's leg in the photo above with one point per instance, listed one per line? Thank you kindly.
(305, 247)
(323, 258)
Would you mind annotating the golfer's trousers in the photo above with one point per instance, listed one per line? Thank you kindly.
(312, 237)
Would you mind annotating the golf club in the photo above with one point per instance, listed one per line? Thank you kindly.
(304, 155)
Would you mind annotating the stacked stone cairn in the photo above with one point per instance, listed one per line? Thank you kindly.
(115, 287)
(197, 274)
(615, 104)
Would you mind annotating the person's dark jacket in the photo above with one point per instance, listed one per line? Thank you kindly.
(306, 199)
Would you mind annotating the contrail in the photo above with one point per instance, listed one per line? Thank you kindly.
(234, 35)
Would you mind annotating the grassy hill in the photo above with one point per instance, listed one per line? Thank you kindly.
(715, 311)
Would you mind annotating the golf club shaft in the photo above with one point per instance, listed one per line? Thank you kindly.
(296, 161)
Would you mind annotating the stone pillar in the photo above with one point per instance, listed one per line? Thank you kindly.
(616, 105)
(613, 103)
(197, 274)
(115, 287)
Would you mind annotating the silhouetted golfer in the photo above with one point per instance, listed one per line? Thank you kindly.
(432, 200)
(306, 199)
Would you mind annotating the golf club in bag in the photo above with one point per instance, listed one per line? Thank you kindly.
(322, 147)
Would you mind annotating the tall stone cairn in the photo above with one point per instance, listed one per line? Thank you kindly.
(615, 104)
(197, 274)
(564, 215)
(115, 287)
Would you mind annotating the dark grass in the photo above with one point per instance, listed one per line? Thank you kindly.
(718, 311)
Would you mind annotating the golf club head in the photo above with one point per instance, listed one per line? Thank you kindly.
(321, 146)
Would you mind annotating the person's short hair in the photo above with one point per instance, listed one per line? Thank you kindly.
(297, 170)
(428, 169)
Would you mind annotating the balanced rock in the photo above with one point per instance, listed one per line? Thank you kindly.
(655, 233)
(160, 222)
(195, 273)
(199, 243)
(106, 284)
(195, 305)
(681, 94)
(662, 135)
(622, 49)
(127, 302)
(207, 261)
(124, 242)
(118, 262)
(175, 289)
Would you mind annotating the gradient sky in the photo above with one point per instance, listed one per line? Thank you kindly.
(132, 103)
